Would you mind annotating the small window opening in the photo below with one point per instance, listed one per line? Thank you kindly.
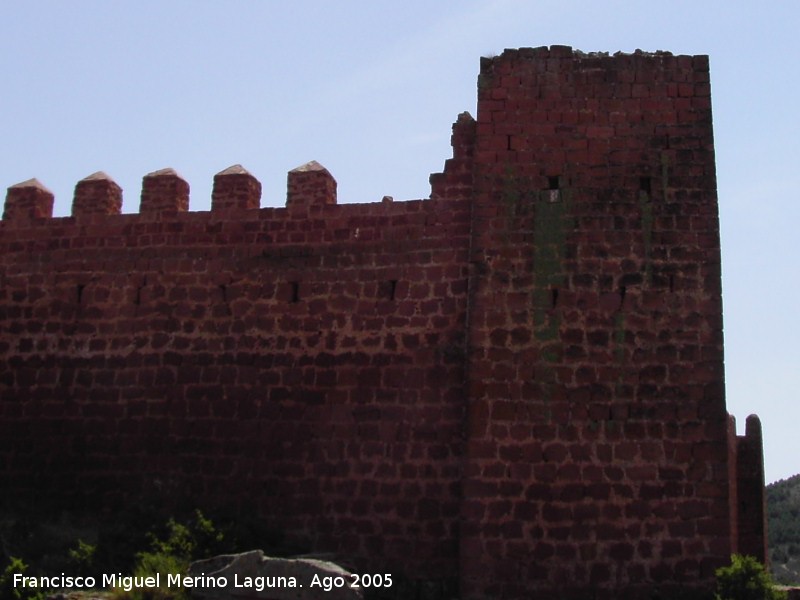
(392, 289)
(672, 283)
(553, 298)
(509, 142)
(622, 291)
(553, 189)
(645, 185)
(294, 292)
(79, 291)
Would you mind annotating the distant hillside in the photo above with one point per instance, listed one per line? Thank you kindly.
(783, 523)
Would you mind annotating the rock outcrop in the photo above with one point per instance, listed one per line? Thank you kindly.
(255, 576)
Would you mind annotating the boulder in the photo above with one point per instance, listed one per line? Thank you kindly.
(792, 592)
(251, 575)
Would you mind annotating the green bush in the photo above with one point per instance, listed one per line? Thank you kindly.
(148, 565)
(7, 589)
(142, 541)
(198, 538)
(184, 543)
(746, 579)
(81, 558)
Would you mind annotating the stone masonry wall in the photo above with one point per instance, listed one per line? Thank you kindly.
(751, 510)
(306, 363)
(597, 453)
(514, 388)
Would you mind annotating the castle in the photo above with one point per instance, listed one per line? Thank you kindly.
(512, 389)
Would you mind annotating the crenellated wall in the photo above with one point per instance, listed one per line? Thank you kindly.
(512, 388)
(304, 362)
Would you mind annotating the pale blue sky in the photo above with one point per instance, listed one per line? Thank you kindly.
(370, 90)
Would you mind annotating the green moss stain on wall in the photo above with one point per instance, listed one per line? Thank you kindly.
(541, 217)
(549, 247)
(619, 349)
(549, 240)
(646, 207)
(513, 198)
(664, 175)
(619, 337)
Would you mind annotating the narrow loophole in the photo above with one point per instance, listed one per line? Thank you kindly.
(392, 289)
(79, 291)
(622, 291)
(672, 283)
(645, 185)
(294, 295)
(509, 142)
(223, 291)
(553, 298)
(552, 182)
(137, 301)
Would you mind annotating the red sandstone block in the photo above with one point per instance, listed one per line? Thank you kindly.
(596, 131)
(600, 573)
(555, 452)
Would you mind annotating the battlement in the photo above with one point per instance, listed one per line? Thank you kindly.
(165, 192)
(28, 200)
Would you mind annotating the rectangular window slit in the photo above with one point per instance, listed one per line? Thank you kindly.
(294, 296)
(392, 289)
(80, 289)
(552, 182)
(137, 301)
(553, 297)
(645, 185)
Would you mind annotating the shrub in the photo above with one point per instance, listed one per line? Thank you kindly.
(81, 558)
(172, 555)
(746, 579)
(7, 589)
(196, 539)
(149, 564)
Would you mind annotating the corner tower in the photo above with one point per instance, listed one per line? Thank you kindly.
(597, 450)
